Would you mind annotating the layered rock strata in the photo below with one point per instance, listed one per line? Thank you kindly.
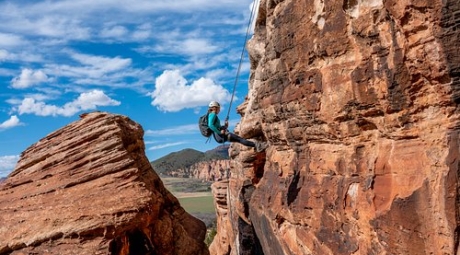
(88, 188)
(210, 170)
(359, 103)
(213, 170)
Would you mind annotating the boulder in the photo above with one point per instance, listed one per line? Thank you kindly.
(88, 188)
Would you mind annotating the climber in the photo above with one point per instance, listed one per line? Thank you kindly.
(222, 135)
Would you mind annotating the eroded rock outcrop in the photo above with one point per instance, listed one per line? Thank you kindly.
(89, 189)
(359, 103)
(213, 170)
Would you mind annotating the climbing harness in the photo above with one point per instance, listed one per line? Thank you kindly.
(242, 56)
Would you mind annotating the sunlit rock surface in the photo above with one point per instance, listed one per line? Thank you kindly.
(88, 188)
(359, 103)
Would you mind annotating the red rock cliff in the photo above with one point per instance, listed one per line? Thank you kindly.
(89, 189)
(359, 103)
(210, 170)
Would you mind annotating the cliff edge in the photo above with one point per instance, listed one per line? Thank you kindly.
(359, 103)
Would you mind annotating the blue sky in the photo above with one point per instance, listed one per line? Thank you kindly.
(158, 62)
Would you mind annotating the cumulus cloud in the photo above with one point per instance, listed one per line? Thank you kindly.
(28, 78)
(86, 101)
(7, 164)
(13, 121)
(172, 92)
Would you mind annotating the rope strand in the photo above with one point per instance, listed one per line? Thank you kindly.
(241, 58)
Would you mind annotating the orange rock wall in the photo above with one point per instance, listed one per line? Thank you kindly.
(88, 188)
(211, 170)
(359, 103)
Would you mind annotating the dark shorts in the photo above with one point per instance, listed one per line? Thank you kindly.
(220, 138)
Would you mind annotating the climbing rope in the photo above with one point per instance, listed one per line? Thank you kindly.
(241, 57)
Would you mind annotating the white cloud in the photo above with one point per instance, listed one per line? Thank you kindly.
(114, 32)
(3, 55)
(28, 78)
(181, 130)
(96, 70)
(102, 64)
(92, 99)
(172, 93)
(7, 164)
(10, 40)
(86, 101)
(72, 46)
(22, 56)
(194, 46)
(217, 74)
(166, 145)
(13, 121)
(187, 46)
(47, 30)
(142, 32)
(60, 26)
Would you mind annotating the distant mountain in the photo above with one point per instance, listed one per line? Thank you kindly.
(187, 157)
(2, 179)
(220, 152)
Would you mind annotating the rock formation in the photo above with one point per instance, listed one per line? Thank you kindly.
(214, 170)
(359, 103)
(89, 189)
(211, 165)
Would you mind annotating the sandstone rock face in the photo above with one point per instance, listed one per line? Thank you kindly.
(359, 103)
(89, 189)
(221, 242)
(214, 170)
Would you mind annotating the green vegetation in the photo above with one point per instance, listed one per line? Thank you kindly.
(203, 204)
(176, 160)
(193, 194)
(210, 234)
(186, 185)
(185, 158)
(196, 198)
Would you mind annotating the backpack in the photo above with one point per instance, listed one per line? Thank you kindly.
(203, 125)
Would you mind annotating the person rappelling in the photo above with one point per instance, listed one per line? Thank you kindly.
(210, 125)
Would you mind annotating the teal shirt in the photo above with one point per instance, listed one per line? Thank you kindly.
(214, 122)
